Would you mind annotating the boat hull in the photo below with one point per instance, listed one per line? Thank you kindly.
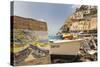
(70, 47)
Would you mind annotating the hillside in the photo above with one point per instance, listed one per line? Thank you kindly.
(83, 19)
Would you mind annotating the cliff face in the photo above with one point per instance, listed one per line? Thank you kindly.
(83, 19)
(27, 23)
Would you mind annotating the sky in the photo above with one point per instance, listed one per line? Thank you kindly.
(54, 14)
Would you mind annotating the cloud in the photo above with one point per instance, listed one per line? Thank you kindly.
(42, 19)
(75, 6)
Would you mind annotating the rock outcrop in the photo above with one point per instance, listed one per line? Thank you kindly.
(28, 23)
(83, 19)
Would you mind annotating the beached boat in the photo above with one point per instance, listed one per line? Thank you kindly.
(65, 47)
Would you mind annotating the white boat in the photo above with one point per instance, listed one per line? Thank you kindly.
(65, 47)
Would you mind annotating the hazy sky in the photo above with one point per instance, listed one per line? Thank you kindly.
(54, 14)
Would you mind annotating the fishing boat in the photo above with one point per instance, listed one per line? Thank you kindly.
(65, 47)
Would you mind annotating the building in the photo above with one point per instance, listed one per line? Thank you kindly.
(83, 19)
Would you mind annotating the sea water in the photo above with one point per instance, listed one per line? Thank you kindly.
(55, 37)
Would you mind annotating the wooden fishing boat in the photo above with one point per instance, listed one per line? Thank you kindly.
(65, 47)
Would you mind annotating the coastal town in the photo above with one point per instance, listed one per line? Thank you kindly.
(80, 32)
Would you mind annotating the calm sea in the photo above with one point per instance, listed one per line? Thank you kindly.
(54, 37)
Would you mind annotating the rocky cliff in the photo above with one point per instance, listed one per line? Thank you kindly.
(28, 23)
(83, 19)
